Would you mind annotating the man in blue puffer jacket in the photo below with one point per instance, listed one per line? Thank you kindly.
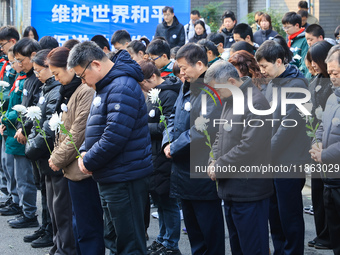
(117, 147)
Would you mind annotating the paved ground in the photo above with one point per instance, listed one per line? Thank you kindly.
(11, 239)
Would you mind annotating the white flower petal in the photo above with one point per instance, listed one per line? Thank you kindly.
(336, 121)
(33, 112)
(201, 123)
(41, 100)
(25, 92)
(20, 108)
(153, 95)
(319, 113)
(317, 88)
(4, 84)
(55, 122)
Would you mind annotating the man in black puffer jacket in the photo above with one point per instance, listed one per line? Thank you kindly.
(171, 29)
(117, 147)
(246, 195)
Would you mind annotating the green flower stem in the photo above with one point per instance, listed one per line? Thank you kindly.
(23, 127)
(66, 132)
(43, 133)
(211, 154)
(162, 119)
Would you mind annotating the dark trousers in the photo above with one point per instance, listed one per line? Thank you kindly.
(88, 226)
(248, 227)
(286, 217)
(332, 208)
(124, 205)
(60, 207)
(205, 226)
(321, 226)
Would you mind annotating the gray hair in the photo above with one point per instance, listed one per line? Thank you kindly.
(82, 53)
(220, 72)
(333, 54)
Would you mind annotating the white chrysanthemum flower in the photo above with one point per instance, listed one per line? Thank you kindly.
(63, 107)
(20, 108)
(97, 101)
(153, 95)
(317, 88)
(187, 106)
(41, 100)
(152, 113)
(336, 121)
(201, 123)
(319, 113)
(33, 112)
(2, 103)
(4, 84)
(55, 122)
(227, 127)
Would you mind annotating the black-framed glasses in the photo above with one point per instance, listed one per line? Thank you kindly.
(2, 45)
(19, 61)
(82, 76)
(37, 73)
(154, 59)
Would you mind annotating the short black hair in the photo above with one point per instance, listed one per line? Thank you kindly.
(244, 30)
(288, 53)
(8, 33)
(270, 51)
(101, 41)
(242, 45)
(303, 4)
(173, 51)
(209, 45)
(26, 46)
(228, 14)
(34, 31)
(316, 30)
(168, 8)
(303, 13)
(40, 57)
(337, 31)
(48, 42)
(158, 47)
(138, 45)
(195, 12)
(216, 38)
(193, 53)
(71, 43)
(291, 18)
(120, 36)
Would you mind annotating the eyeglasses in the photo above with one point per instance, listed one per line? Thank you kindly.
(37, 73)
(286, 28)
(2, 45)
(82, 76)
(19, 61)
(11, 63)
(154, 59)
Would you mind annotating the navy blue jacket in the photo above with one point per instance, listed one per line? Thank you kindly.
(117, 138)
(290, 145)
(188, 148)
(261, 36)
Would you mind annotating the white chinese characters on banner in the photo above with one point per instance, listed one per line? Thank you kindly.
(101, 13)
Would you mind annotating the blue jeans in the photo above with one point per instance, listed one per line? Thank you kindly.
(248, 227)
(7, 161)
(26, 188)
(88, 224)
(124, 206)
(169, 221)
(287, 225)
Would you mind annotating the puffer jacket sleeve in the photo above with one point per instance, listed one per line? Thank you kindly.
(119, 123)
(65, 153)
(36, 146)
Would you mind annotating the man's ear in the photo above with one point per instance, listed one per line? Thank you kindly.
(96, 65)
(278, 62)
(33, 54)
